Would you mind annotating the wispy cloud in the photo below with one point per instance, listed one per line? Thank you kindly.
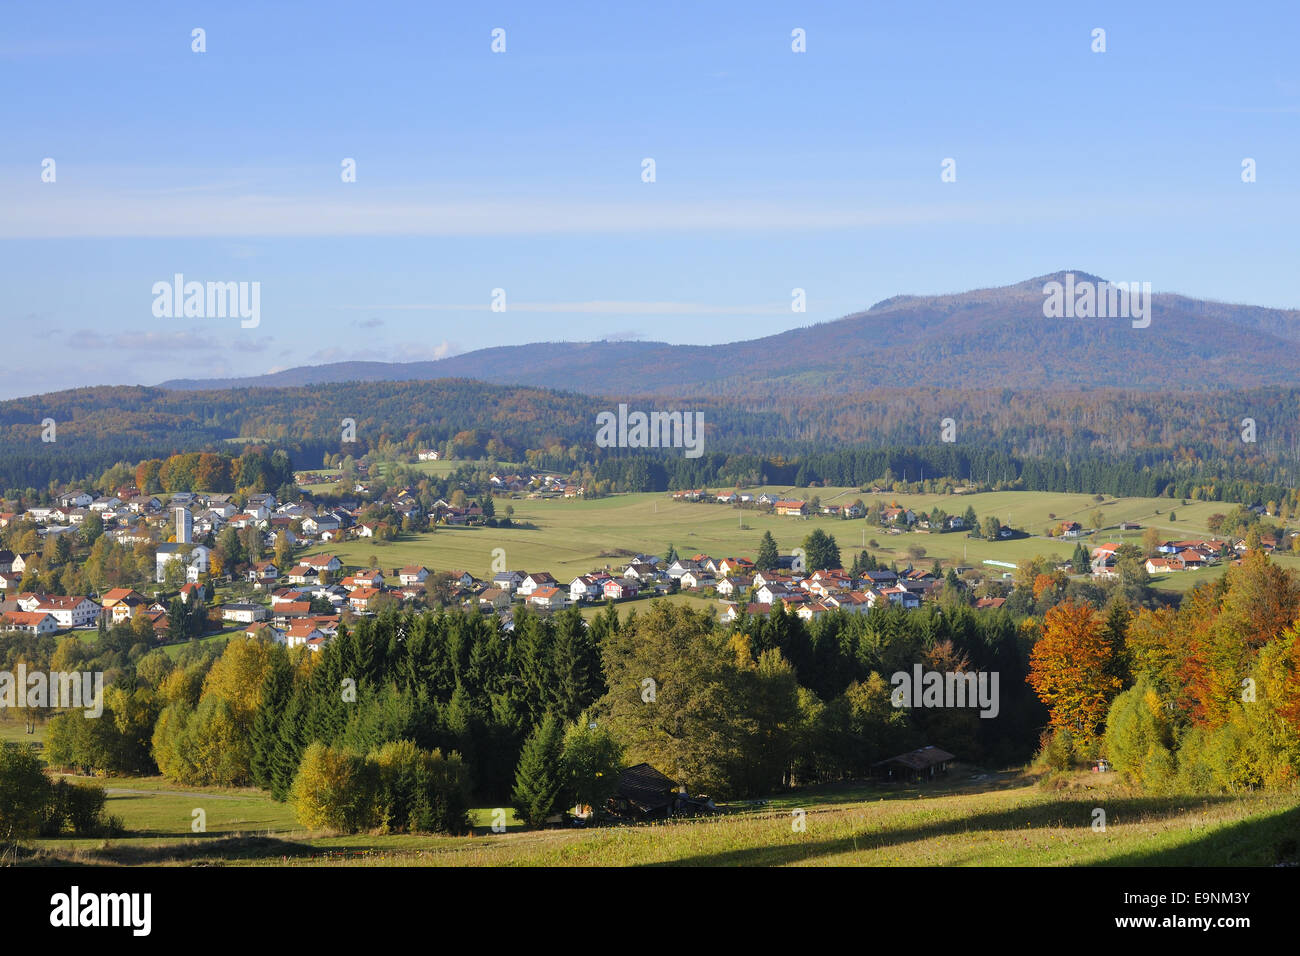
(598, 307)
(62, 211)
(158, 342)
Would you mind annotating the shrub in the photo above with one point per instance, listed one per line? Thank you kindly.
(397, 788)
(24, 792)
(1057, 749)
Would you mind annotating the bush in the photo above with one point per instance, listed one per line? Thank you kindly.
(1057, 749)
(76, 808)
(24, 792)
(1138, 737)
(397, 788)
(334, 790)
(420, 790)
(30, 804)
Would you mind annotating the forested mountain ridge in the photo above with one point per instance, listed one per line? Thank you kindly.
(960, 340)
(995, 431)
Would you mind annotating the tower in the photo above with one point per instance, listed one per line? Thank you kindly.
(184, 526)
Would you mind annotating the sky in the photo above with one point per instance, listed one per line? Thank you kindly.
(523, 170)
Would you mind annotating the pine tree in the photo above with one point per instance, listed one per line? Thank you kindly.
(289, 746)
(768, 557)
(539, 777)
(1080, 560)
(265, 736)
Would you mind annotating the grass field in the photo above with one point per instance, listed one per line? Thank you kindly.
(973, 818)
(570, 537)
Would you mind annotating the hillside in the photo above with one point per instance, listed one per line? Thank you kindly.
(963, 340)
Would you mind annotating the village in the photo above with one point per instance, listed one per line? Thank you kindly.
(283, 594)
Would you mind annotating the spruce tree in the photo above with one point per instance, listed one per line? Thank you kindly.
(265, 736)
(539, 777)
(768, 557)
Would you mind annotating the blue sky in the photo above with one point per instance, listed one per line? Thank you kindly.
(522, 170)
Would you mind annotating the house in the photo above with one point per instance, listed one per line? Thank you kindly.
(551, 597)
(584, 588)
(72, 611)
(735, 585)
(320, 524)
(123, 604)
(265, 631)
(853, 602)
(696, 580)
(324, 562)
(990, 603)
(617, 589)
(303, 574)
(75, 499)
(466, 580)
(730, 566)
(30, 622)
(9, 580)
(757, 609)
(508, 581)
(646, 794)
(639, 571)
(243, 613)
(1165, 565)
(772, 592)
(191, 592)
(538, 579)
(790, 507)
(290, 609)
(680, 567)
(302, 633)
(412, 574)
(1070, 529)
(813, 610)
(925, 763)
(902, 597)
(493, 599)
(196, 561)
(369, 578)
(264, 574)
(772, 577)
(285, 596)
(359, 600)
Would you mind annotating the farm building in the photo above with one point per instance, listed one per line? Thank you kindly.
(923, 764)
(644, 793)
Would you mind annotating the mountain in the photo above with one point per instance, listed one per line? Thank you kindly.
(977, 339)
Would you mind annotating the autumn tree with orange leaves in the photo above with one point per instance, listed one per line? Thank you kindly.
(1071, 670)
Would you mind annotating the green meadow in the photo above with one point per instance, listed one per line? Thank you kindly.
(571, 537)
(972, 818)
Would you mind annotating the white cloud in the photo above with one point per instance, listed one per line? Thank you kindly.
(66, 211)
(599, 307)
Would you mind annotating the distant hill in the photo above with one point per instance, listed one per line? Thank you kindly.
(977, 339)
